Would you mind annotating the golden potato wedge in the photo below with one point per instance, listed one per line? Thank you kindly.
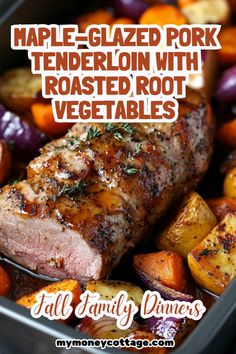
(207, 11)
(213, 261)
(194, 220)
(19, 88)
(230, 184)
(108, 289)
(65, 285)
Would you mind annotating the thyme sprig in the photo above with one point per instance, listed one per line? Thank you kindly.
(130, 170)
(72, 190)
(138, 149)
(74, 143)
(93, 133)
(128, 128)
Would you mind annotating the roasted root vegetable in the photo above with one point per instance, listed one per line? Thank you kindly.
(166, 266)
(183, 3)
(104, 328)
(230, 184)
(167, 293)
(222, 206)
(108, 289)
(226, 87)
(5, 282)
(227, 53)
(193, 221)
(24, 136)
(5, 161)
(144, 335)
(226, 134)
(213, 261)
(229, 163)
(65, 285)
(207, 11)
(170, 327)
(161, 15)
(19, 88)
(129, 8)
(122, 21)
(44, 119)
(98, 17)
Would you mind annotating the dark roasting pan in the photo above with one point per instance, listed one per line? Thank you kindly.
(19, 332)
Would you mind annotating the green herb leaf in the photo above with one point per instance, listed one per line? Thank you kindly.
(74, 143)
(118, 136)
(93, 133)
(110, 127)
(130, 170)
(17, 178)
(204, 252)
(72, 191)
(127, 127)
(138, 149)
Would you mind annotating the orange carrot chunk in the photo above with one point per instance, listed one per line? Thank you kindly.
(99, 17)
(227, 134)
(5, 282)
(162, 15)
(122, 21)
(183, 3)
(227, 38)
(166, 266)
(44, 119)
(222, 206)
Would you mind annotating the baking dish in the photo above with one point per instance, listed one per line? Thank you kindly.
(20, 333)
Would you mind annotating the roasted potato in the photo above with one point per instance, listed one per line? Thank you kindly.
(64, 285)
(230, 184)
(5, 161)
(194, 220)
(213, 261)
(19, 88)
(108, 289)
(207, 11)
(5, 282)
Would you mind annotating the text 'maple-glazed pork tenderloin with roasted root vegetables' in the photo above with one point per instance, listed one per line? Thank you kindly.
(95, 193)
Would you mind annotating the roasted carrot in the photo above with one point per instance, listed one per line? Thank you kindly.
(5, 282)
(44, 119)
(183, 3)
(162, 15)
(98, 17)
(65, 285)
(229, 163)
(227, 134)
(166, 266)
(227, 38)
(222, 206)
(122, 21)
